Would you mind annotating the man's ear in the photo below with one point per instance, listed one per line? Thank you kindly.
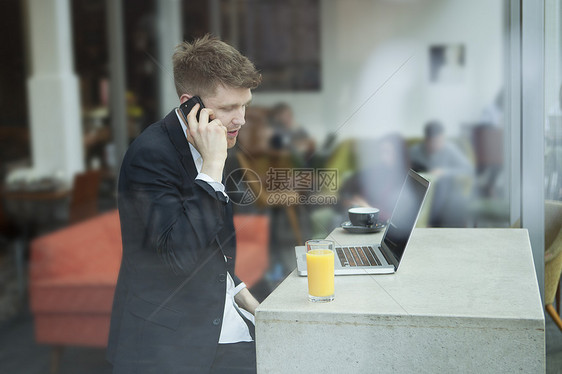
(184, 97)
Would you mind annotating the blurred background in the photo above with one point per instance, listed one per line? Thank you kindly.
(354, 94)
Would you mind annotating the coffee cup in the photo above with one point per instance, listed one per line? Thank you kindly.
(363, 216)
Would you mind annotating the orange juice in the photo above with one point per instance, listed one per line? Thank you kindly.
(320, 268)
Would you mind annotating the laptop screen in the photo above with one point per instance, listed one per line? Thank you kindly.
(405, 214)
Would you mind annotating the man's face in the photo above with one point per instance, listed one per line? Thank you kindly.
(229, 106)
(435, 143)
(286, 118)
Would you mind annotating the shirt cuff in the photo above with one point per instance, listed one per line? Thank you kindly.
(217, 186)
(239, 288)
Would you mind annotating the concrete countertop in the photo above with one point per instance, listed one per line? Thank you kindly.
(458, 294)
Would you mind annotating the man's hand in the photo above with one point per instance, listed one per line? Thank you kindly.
(209, 138)
(246, 301)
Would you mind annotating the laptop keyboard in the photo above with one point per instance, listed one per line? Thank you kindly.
(358, 256)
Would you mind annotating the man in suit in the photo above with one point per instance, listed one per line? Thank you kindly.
(178, 306)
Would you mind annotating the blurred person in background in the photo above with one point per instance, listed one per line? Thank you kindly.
(178, 306)
(378, 184)
(446, 165)
(554, 119)
(553, 149)
(492, 114)
(288, 136)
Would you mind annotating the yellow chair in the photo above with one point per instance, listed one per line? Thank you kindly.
(553, 258)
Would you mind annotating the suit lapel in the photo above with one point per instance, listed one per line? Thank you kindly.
(178, 139)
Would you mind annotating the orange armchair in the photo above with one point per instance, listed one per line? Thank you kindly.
(73, 273)
(252, 252)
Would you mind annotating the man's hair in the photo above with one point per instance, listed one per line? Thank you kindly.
(201, 66)
(278, 109)
(433, 129)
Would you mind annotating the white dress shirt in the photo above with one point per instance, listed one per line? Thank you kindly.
(234, 329)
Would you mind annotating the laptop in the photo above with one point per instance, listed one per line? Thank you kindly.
(383, 258)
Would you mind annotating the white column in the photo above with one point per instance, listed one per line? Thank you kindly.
(513, 110)
(169, 36)
(53, 92)
(553, 51)
(532, 129)
(117, 81)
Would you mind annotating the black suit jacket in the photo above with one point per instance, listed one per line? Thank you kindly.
(176, 232)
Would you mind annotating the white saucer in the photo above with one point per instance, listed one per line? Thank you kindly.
(363, 229)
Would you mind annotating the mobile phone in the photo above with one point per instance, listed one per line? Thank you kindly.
(189, 104)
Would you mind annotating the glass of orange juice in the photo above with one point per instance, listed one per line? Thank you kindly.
(320, 269)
